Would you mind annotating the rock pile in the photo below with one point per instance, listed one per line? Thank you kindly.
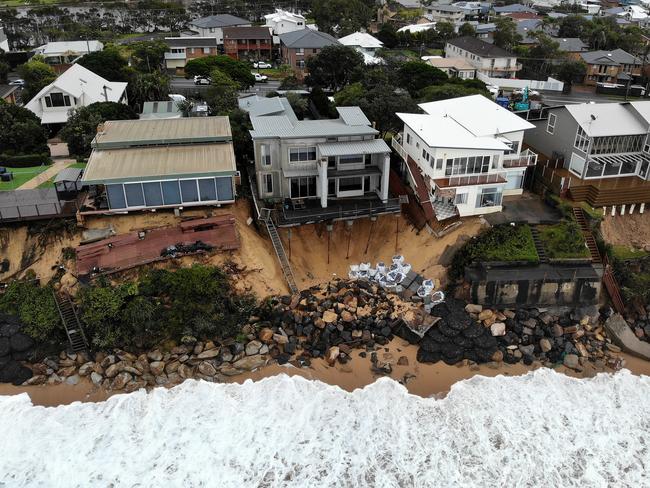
(14, 347)
(527, 335)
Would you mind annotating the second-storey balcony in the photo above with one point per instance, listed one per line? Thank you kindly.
(523, 159)
(469, 180)
(396, 143)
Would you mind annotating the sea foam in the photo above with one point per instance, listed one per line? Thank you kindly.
(542, 429)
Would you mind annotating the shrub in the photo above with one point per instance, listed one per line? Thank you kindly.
(36, 308)
(563, 240)
(25, 160)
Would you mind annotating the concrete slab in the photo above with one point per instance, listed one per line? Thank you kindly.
(527, 208)
(622, 335)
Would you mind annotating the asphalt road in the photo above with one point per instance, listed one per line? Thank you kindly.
(187, 87)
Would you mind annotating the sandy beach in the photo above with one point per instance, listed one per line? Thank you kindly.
(420, 379)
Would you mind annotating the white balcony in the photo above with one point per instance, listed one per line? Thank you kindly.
(396, 143)
(175, 55)
(523, 159)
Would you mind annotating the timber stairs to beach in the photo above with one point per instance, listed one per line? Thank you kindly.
(71, 323)
(539, 247)
(265, 216)
(608, 276)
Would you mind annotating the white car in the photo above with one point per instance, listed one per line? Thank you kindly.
(260, 78)
(202, 80)
(18, 82)
(262, 65)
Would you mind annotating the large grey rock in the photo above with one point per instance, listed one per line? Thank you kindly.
(253, 348)
(622, 335)
(250, 362)
(572, 361)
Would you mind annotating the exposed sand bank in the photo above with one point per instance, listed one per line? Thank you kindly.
(425, 380)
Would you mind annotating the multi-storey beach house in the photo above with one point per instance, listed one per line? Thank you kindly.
(463, 155)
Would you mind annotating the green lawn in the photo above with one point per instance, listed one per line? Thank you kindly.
(21, 176)
(625, 253)
(563, 241)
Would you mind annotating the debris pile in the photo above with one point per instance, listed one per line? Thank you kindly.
(398, 277)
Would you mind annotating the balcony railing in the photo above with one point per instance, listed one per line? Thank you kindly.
(310, 166)
(175, 55)
(396, 143)
(454, 181)
(350, 209)
(525, 158)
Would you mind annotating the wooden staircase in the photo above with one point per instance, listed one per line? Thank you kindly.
(71, 323)
(581, 220)
(265, 216)
(539, 247)
(609, 279)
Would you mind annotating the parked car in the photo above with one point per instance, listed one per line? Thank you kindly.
(176, 97)
(262, 65)
(260, 78)
(202, 80)
(18, 82)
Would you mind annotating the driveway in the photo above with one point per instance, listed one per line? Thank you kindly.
(529, 208)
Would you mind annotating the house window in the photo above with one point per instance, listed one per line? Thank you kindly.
(351, 184)
(408, 138)
(303, 187)
(489, 197)
(302, 154)
(189, 191)
(356, 159)
(57, 100)
(300, 63)
(190, 50)
(550, 125)
(267, 180)
(514, 148)
(582, 140)
(178, 50)
(134, 195)
(300, 51)
(207, 189)
(460, 199)
(265, 151)
(206, 50)
(171, 192)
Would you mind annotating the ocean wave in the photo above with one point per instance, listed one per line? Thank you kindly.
(538, 430)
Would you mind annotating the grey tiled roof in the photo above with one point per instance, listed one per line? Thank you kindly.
(220, 20)
(480, 48)
(307, 38)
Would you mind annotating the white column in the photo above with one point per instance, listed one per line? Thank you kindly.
(632, 208)
(642, 208)
(322, 175)
(613, 210)
(385, 175)
(604, 211)
(623, 210)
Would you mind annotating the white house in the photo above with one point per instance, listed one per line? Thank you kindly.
(463, 155)
(282, 22)
(365, 44)
(77, 87)
(67, 52)
(212, 26)
(487, 58)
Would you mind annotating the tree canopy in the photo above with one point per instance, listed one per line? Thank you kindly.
(333, 67)
(82, 124)
(341, 17)
(506, 35)
(21, 131)
(37, 74)
(449, 90)
(238, 71)
(148, 56)
(415, 75)
(108, 63)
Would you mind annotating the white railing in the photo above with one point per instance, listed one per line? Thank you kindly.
(476, 180)
(302, 166)
(396, 143)
(524, 158)
(175, 55)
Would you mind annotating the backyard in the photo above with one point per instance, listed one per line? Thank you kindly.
(563, 240)
(21, 176)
